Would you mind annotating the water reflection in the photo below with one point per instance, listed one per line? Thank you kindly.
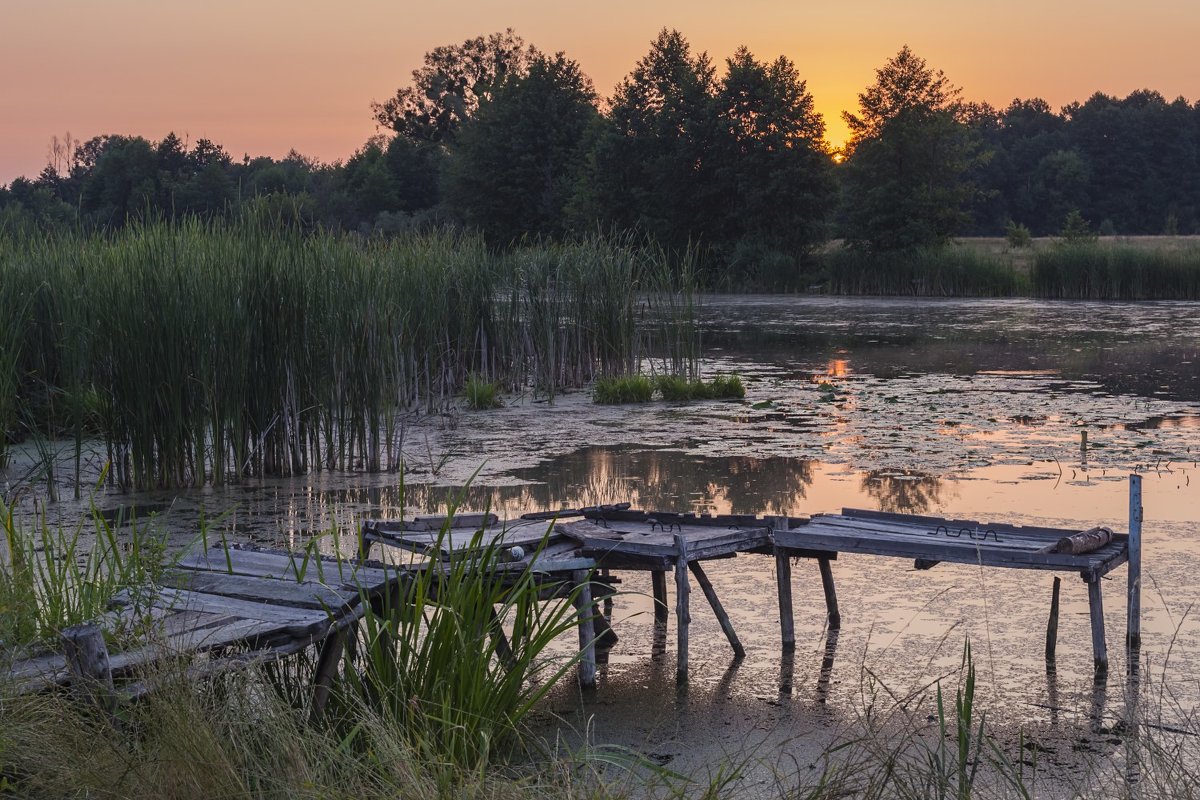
(903, 492)
(646, 478)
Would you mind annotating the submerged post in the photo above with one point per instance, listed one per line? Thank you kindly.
(587, 638)
(1133, 634)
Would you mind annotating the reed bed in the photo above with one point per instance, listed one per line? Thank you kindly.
(1101, 271)
(935, 272)
(209, 351)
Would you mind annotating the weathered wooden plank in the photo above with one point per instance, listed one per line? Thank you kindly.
(962, 553)
(286, 566)
(297, 621)
(434, 523)
(839, 525)
(916, 519)
(984, 536)
(239, 631)
(265, 590)
(645, 542)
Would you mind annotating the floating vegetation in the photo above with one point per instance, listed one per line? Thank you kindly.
(210, 351)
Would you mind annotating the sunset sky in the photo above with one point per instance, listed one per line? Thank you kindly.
(266, 76)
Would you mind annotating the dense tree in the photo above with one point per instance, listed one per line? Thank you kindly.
(772, 170)
(649, 167)
(516, 163)
(907, 159)
(446, 91)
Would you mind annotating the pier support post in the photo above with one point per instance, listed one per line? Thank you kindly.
(783, 579)
(722, 617)
(587, 638)
(1052, 625)
(327, 663)
(682, 612)
(658, 580)
(831, 604)
(88, 664)
(1133, 632)
(1099, 650)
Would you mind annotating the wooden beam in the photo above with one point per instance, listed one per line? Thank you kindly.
(831, 603)
(682, 613)
(658, 581)
(783, 580)
(587, 638)
(327, 664)
(1052, 625)
(1133, 629)
(1099, 649)
(87, 663)
(722, 617)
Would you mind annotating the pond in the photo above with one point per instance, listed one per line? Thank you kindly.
(1008, 410)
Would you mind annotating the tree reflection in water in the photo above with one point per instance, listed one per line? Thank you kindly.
(903, 492)
(646, 478)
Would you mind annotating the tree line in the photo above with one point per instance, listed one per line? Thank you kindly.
(494, 135)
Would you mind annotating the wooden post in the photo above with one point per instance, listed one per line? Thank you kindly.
(364, 543)
(658, 580)
(787, 621)
(831, 604)
(1133, 632)
(87, 662)
(682, 614)
(783, 585)
(587, 639)
(327, 663)
(608, 598)
(718, 609)
(1099, 650)
(1052, 625)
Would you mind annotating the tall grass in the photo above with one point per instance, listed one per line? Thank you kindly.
(207, 351)
(1099, 271)
(934, 272)
(51, 578)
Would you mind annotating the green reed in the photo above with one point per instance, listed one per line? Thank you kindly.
(1102, 271)
(208, 351)
(934, 272)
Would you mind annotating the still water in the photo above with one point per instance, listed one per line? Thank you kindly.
(1015, 410)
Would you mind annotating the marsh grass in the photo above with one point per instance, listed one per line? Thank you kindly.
(1101, 271)
(624, 389)
(950, 271)
(211, 351)
(677, 388)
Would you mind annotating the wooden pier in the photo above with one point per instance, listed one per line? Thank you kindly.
(236, 606)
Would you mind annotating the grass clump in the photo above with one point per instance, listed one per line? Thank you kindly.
(677, 388)
(481, 395)
(623, 389)
(52, 578)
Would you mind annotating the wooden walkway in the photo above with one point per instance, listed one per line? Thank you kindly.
(220, 609)
(225, 607)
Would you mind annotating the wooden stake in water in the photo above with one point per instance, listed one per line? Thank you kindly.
(682, 612)
(1052, 625)
(1133, 634)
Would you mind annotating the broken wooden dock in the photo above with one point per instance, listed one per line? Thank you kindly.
(227, 606)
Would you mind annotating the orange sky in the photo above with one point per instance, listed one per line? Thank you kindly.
(266, 76)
